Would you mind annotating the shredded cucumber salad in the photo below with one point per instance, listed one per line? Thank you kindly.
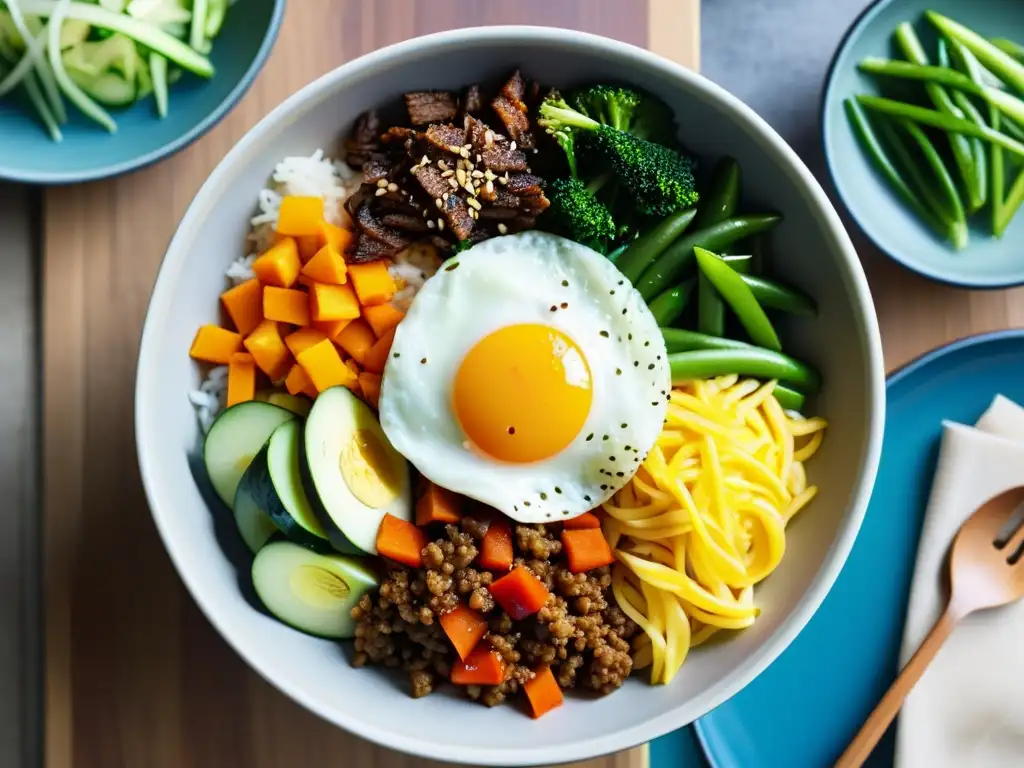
(101, 54)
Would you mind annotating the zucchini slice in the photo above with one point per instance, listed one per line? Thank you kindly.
(235, 437)
(311, 592)
(253, 522)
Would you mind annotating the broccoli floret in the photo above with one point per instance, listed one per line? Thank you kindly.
(628, 109)
(659, 178)
(577, 213)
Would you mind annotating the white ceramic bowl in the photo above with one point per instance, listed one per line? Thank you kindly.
(813, 251)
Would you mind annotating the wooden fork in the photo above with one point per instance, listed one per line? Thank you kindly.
(986, 569)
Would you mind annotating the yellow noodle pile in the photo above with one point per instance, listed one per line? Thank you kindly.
(704, 518)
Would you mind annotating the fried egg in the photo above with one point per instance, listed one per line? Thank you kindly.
(529, 375)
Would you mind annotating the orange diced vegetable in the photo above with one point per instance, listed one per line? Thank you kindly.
(586, 520)
(401, 541)
(331, 328)
(437, 505)
(299, 383)
(300, 216)
(543, 692)
(214, 344)
(241, 378)
(308, 246)
(279, 265)
(244, 305)
(496, 548)
(378, 355)
(326, 266)
(286, 305)
(464, 627)
(382, 318)
(353, 366)
(268, 349)
(369, 383)
(323, 364)
(357, 339)
(520, 593)
(586, 549)
(483, 666)
(302, 339)
(333, 302)
(372, 282)
(335, 236)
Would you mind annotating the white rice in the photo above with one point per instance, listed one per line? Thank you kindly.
(314, 176)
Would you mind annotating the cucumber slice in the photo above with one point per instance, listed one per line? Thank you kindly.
(235, 437)
(253, 522)
(352, 474)
(274, 482)
(311, 592)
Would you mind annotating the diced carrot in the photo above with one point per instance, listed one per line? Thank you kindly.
(382, 318)
(268, 349)
(542, 692)
(586, 520)
(335, 236)
(302, 339)
(377, 357)
(244, 305)
(483, 666)
(333, 302)
(519, 593)
(464, 627)
(401, 541)
(496, 548)
(326, 266)
(214, 344)
(331, 328)
(279, 265)
(369, 383)
(300, 216)
(286, 305)
(298, 382)
(241, 378)
(309, 245)
(437, 505)
(372, 282)
(324, 367)
(586, 549)
(357, 339)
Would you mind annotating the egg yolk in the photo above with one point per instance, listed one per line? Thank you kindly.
(523, 393)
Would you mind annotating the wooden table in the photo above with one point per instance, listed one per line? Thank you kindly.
(135, 676)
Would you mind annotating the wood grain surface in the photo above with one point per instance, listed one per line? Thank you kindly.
(134, 675)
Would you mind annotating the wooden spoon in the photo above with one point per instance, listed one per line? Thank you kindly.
(986, 569)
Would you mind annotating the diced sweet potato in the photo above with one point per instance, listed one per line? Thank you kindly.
(300, 216)
(298, 382)
(327, 266)
(286, 305)
(302, 339)
(357, 339)
(244, 305)
(213, 344)
(267, 348)
(335, 236)
(377, 357)
(241, 378)
(279, 265)
(333, 302)
(382, 318)
(437, 505)
(372, 282)
(324, 366)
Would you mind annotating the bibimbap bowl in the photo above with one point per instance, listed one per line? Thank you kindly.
(712, 551)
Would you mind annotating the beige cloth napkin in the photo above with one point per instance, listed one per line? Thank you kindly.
(968, 708)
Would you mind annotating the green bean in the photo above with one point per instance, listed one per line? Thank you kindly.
(739, 262)
(1004, 66)
(669, 306)
(951, 200)
(925, 73)
(971, 112)
(775, 295)
(671, 265)
(1013, 129)
(710, 308)
(35, 95)
(1010, 206)
(939, 120)
(959, 144)
(646, 248)
(1009, 47)
(682, 340)
(862, 129)
(739, 297)
(613, 257)
(789, 399)
(719, 203)
(762, 363)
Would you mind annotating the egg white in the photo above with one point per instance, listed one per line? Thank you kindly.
(532, 277)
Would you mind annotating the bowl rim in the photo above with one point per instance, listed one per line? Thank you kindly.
(865, 17)
(218, 113)
(171, 269)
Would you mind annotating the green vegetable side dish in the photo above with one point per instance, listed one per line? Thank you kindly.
(103, 54)
(739, 297)
(720, 203)
(976, 87)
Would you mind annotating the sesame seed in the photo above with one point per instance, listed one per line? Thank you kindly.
(489, 175)
(425, 213)
(442, 165)
(489, 187)
(461, 176)
(472, 213)
(479, 158)
(502, 180)
(392, 187)
(488, 138)
(474, 203)
(453, 183)
(440, 225)
(512, 146)
(438, 202)
(469, 188)
(467, 146)
(425, 160)
(477, 174)
(445, 196)
(464, 152)
(447, 174)
(503, 229)
(454, 148)
(382, 182)
(431, 224)
(381, 192)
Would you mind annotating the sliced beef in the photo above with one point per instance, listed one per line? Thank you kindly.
(498, 214)
(476, 134)
(375, 169)
(505, 199)
(398, 134)
(472, 101)
(375, 228)
(456, 213)
(404, 221)
(513, 112)
(429, 177)
(446, 136)
(369, 248)
(364, 141)
(427, 107)
(501, 158)
(360, 196)
(525, 185)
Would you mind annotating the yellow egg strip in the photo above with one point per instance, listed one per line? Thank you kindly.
(704, 518)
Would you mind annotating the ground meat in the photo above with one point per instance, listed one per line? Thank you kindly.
(580, 632)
